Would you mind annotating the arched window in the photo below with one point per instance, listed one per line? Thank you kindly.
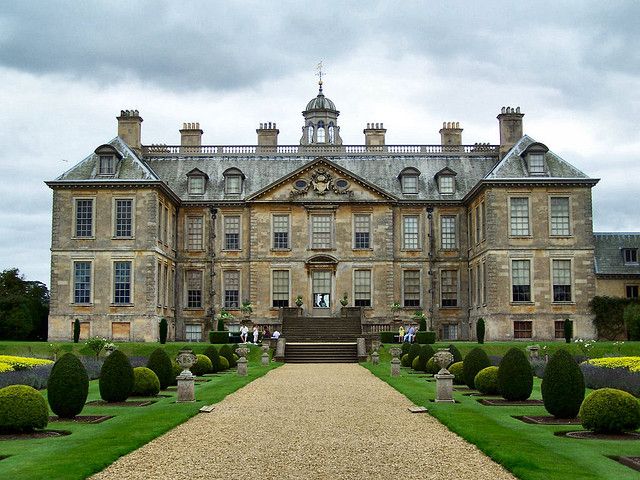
(320, 134)
(332, 134)
(310, 134)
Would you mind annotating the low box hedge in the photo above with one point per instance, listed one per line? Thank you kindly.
(425, 337)
(218, 337)
(387, 337)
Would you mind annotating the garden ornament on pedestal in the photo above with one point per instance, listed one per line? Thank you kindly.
(444, 380)
(265, 351)
(395, 361)
(242, 361)
(186, 380)
(533, 351)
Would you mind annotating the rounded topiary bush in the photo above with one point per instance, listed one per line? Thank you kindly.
(414, 351)
(426, 352)
(515, 376)
(22, 408)
(476, 360)
(160, 363)
(455, 369)
(224, 363)
(457, 356)
(202, 365)
(415, 365)
(432, 367)
(609, 410)
(116, 378)
(404, 361)
(68, 386)
(226, 352)
(486, 381)
(145, 382)
(214, 356)
(562, 386)
(405, 348)
(177, 370)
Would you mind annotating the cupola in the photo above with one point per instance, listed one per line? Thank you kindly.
(320, 121)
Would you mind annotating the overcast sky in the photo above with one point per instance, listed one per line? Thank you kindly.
(68, 68)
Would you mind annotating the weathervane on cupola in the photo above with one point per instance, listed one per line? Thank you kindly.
(320, 118)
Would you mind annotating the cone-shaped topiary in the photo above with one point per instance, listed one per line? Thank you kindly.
(145, 382)
(476, 360)
(160, 363)
(76, 331)
(214, 356)
(405, 348)
(457, 356)
(224, 363)
(608, 410)
(562, 385)
(414, 351)
(455, 369)
(163, 330)
(480, 330)
(68, 386)
(116, 378)
(22, 408)
(426, 352)
(202, 365)
(567, 328)
(515, 376)
(404, 360)
(226, 352)
(486, 381)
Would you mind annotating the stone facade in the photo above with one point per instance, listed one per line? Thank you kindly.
(182, 232)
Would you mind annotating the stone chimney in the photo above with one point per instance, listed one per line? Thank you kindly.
(450, 134)
(374, 134)
(190, 135)
(510, 120)
(130, 128)
(267, 136)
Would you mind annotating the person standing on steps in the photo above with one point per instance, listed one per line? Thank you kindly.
(255, 334)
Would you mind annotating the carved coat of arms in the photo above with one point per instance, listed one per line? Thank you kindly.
(321, 181)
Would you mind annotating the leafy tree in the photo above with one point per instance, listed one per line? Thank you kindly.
(24, 307)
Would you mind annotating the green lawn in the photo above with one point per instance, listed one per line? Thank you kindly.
(531, 452)
(91, 447)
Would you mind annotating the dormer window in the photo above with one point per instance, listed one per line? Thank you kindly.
(233, 181)
(108, 158)
(630, 255)
(446, 180)
(536, 163)
(409, 180)
(197, 182)
(534, 156)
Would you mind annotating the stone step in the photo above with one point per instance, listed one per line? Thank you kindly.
(321, 353)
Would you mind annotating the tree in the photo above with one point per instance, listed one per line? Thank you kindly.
(480, 330)
(24, 307)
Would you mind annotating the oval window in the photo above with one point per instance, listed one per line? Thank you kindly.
(342, 184)
(300, 184)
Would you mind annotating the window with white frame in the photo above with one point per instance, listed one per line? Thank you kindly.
(321, 231)
(122, 282)
(84, 217)
(446, 184)
(320, 133)
(519, 216)
(194, 232)
(448, 232)
(193, 332)
(630, 255)
(411, 288)
(362, 231)
(123, 218)
(196, 185)
(232, 232)
(231, 287)
(233, 184)
(82, 282)
(409, 184)
(449, 288)
(560, 223)
(536, 163)
(362, 288)
(561, 272)
(280, 228)
(450, 331)
(107, 165)
(280, 288)
(631, 291)
(410, 232)
(520, 281)
(194, 288)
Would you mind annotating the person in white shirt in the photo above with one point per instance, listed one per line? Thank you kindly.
(255, 334)
(275, 334)
(244, 333)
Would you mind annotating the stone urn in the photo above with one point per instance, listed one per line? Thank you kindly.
(395, 361)
(242, 361)
(242, 352)
(186, 359)
(443, 358)
(265, 352)
(395, 352)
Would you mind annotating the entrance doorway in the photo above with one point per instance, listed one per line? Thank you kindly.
(321, 292)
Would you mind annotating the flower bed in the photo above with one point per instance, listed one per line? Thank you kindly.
(630, 363)
(610, 376)
(20, 363)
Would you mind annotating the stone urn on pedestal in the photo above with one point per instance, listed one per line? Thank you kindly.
(265, 351)
(242, 361)
(395, 361)
(375, 356)
(186, 380)
(444, 380)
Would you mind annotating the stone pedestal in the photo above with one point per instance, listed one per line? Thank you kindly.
(395, 367)
(265, 353)
(375, 358)
(444, 387)
(242, 367)
(362, 349)
(186, 388)
(282, 342)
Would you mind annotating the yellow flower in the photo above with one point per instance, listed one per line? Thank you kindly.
(630, 363)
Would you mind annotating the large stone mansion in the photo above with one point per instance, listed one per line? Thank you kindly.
(502, 232)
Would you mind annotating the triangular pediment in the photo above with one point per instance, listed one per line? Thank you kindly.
(321, 180)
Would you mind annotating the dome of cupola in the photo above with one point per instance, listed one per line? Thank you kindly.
(320, 102)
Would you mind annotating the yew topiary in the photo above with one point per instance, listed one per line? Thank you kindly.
(609, 410)
(145, 382)
(476, 360)
(116, 378)
(415, 364)
(486, 381)
(68, 386)
(480, 330)
(405, 348)
(457, 356)
(562, 386)
(426, 352)
(404, 360)
(202, 365)
(414, 351)
(515, 376)
(163, 330)
(226, 352)
(224, 363)
(22, 409)
(160, 363)
(214, 356)
(455, 369)
(432, 367)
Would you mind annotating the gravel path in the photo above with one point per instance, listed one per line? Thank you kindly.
(311, 422)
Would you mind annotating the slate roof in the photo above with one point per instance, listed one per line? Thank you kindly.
(609, 253)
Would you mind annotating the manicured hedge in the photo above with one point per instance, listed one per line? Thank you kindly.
(202, 365)
(145, 382)
(610, 411)
(456, 370)
(457, 356)
(515, 376)
(218, 337)
(387, 337)
(425, 337)
(214, 356)
(68, 386)
(160, 363)
(476, 360)
(22, 409)
(486, 380)
(562, 386)
(116, 378)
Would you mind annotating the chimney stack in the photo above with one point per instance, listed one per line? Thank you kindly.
(510, 120)
(374, 135)
(267, 136)
(451, 134)
(190, 136)
(130, 128)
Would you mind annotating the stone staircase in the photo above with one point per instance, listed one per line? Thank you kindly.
(321, 353)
